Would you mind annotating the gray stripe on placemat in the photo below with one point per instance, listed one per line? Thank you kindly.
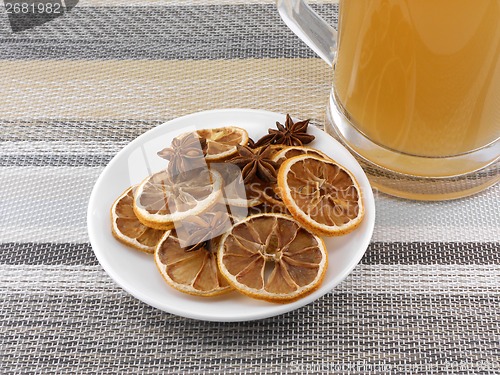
(31, 253)
(118, 334)
(405, 253)
(161, 32)
(432, 253)
(68, 158)
(60, 160)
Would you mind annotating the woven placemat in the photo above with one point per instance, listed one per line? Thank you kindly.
(423, 300)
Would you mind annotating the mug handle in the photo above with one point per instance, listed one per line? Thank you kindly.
(310, 27)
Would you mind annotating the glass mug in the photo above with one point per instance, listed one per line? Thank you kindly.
(416, 90)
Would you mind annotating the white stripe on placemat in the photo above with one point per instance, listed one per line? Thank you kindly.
(49, 204)
(376, 279)
(468, 219)
(45, 204)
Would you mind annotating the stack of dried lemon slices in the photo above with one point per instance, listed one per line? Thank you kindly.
(228, 213)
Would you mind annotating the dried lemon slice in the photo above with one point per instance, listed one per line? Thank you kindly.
(162, 199)
(193, 272)
(221, 142)
(127, 229)
(273, 258)
(290, 152)
(271, 194)
(321, 194)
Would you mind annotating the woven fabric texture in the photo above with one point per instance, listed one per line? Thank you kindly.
(424, 299)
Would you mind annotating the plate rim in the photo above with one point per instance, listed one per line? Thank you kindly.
(279, 309)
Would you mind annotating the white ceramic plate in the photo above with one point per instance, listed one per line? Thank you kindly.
(136, 272)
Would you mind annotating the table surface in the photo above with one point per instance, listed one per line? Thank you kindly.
(424, 299)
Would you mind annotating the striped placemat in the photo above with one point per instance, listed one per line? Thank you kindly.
(424, 299)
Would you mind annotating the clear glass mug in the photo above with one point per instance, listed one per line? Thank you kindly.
(416, 90)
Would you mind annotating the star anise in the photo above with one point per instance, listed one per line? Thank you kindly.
(200, 231)
(255, 163)
(185, 153)
(292, 134)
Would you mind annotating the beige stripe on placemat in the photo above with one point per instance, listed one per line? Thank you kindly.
(160, 90)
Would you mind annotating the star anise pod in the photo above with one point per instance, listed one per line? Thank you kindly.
(251, 143)
(292, 134)
(185, 153)
(199, 231)
(255, 163)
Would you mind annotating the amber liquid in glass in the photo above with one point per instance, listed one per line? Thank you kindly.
(421, 77)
